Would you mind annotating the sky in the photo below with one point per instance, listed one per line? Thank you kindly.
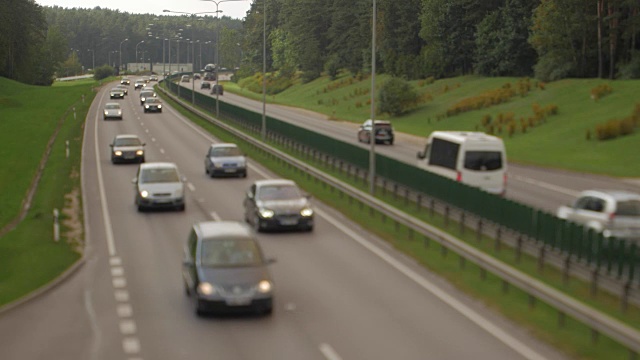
(233, 9)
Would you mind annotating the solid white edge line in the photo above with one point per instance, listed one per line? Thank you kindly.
(545, 185)
(483, 323)
(328, 352)
(103, 195)
(467, 312)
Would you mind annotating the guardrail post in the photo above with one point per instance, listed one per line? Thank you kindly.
(541, 254)
(443, 250)
(462, 262)
(483, 274)
(419, 202)
(498, 243)
(479, 231)
(624, 301)
(384, 186)
(594, 282)
(395, 191)
(595, 335)
(446, 216)
(425, 242)
(432, 207)
(519, 248)
(566, 270)
(532, 301)
(462, 216)
(406, 196)
(561, 319)
(505, 286)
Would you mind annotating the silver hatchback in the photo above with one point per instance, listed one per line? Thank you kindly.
(159, 185)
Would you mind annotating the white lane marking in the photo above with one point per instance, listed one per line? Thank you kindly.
(124, 310)
(103, 195)
(328, 352)
(545, 185)
(119, 282)
(115, 261)
(153, 139)
(127, 327)
(146, 130)
(121, 295)
(131, 345)
(161, 151)
(290, 307)
(214, 215)
(94, 325)
(117, 271)
(191, 187)
(464, 310)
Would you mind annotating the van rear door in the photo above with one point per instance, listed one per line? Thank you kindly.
(484, 168)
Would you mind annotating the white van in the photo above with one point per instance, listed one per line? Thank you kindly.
(473, 158)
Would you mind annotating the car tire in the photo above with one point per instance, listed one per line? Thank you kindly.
(182, 207)
(140, 208)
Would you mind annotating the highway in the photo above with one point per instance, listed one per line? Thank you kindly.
(541, 188)
(341, 293)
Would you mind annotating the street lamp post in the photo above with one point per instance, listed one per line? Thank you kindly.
(137, 67)
(263, 131)
(120, 60)
(93, 58)
(372, 135)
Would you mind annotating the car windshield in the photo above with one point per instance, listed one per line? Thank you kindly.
(153, 100)
(147, 94)
(278, 192)
(225, 151)
(158, 175)
(483, 160)
(230, 252)
(127, 142)
(628, 208)
(112, 106)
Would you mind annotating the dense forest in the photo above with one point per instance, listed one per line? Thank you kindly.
(415, 39)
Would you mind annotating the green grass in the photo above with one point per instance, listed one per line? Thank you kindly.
(29, 258)
(541, 320)
(560, 142)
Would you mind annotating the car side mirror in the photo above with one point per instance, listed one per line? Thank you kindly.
(134, 180)
(187, 262)
(111, 145)
(250, 195)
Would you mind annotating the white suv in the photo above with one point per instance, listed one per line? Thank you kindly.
(614, 212)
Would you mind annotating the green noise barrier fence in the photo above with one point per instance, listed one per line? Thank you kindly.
(606, 255)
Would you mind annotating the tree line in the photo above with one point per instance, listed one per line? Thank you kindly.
(415, 39)
(548, 39)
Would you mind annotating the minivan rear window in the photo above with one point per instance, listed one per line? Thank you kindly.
(628, 208)
(483, 160)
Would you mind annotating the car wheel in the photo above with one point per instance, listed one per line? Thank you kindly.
(309, 228)
(140, 208)
(182, 207)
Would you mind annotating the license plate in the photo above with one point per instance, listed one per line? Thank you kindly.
(289, 221)
(238, 301)
(229, 170)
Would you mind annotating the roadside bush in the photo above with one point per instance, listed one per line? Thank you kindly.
(103, 72)
(615, 127)
(601, 91)
(397, 96)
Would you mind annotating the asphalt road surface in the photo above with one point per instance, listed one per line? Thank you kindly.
(341, 293)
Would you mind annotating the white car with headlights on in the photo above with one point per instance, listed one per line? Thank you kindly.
(159, 185)
(224, 269)
(112, 111)
(153, 104)
(277, 204)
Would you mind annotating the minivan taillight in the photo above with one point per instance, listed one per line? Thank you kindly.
(458, 176)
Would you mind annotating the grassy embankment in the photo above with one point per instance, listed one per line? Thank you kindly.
(560, 142)
(573, 338)
(29, 117)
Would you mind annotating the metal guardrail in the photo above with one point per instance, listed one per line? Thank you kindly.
(596, 320)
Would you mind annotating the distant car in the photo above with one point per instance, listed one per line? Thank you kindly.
(125, 81)
(127, 148)
(153, 78)
(217, 89)
(146, 94)
(112, 111)
(209, 76)
(124, 89)
(139, 84)
(116, 93)
(277, 204)
(146, 78)
(225, 160)
(615, 213)
(196, 76)
(185, 78)
(159, 185)
(210, 68)
(205, 85)
(152, 104)
(384, 132)
(224, 269)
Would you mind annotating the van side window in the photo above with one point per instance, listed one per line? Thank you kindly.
(443, 153)
(483, 160)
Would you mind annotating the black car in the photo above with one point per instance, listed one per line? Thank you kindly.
(217, 89)
(127, 148)
(277, 204)
(209, 76)
(152, 104)
(146, 94)
(205, 85)
(224, 269)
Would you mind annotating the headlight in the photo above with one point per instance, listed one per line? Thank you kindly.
(264, 286)
(159, 106)
(144, 193)
(266, 213)
(143, 99)
(140, 152)
(217, 165)
(119, 112)
(205, 288)
(146, 106)
(306, 212)
(118, 153)
(106, 112)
